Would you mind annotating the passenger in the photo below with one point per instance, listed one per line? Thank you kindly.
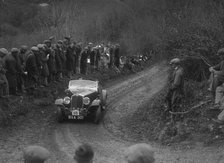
(84, 154)
(35, 154)
(139, 153)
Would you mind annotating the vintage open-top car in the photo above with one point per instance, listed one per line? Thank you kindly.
(84, 98)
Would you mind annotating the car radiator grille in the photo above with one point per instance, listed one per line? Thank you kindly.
(76, 102)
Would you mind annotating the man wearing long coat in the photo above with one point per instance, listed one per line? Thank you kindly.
(70, 59)
(83, 61)
(11, 72)
(44, 67)
(4, 86)
(31, 68)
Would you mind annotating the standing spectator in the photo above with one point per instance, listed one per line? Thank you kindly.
(44, 67)
(4, 86)
(111, 52)
(74, 57)
(83, 61)
(98, 56)
(31, 68)
(64, 49)
(78, 50)
(176, 90)
(11, 71)
(23, 53)
(84, 154)
(140, 153)
(70, 56)
(51, 61)
(117, 56)
(35, 154)
(19, 68)
(93, 59)
(58, 61)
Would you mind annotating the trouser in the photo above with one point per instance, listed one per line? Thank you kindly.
(83, 69)
(215, 81)
(52, 77)
(19, 83)
(219, 94)
(173, 100)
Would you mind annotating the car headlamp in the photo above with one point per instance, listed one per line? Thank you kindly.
(67, 100)
(86, 100)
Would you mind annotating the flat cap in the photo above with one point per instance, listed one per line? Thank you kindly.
(35, 154)
(34, 48)
(3, 52)
(140, 153)
(47, 41)
(67, 37)
(24, 47)
(175, 61)
(220, 51)
(84, 153)
(14, 50)
(60, 42)
(51, 38)
(40, 46)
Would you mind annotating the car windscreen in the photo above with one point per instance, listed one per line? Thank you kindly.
(83, 84)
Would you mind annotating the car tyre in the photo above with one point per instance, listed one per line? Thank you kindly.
(60, 115)
(97, 115)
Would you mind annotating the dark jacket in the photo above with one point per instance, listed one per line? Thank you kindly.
(11, 70)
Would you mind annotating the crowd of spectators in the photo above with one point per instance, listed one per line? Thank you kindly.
(24, 69)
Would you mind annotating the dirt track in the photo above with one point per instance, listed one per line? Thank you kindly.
(109, 139)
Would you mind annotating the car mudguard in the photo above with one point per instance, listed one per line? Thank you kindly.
(104, 94)
(59, 102)
(95, 103)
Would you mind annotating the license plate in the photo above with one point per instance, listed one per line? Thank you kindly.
(75, 112)
(75, 117)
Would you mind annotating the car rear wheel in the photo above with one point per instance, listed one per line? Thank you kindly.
(97, 115)
(60, 115)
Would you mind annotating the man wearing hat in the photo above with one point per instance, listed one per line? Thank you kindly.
(23, 53)
(78, 50)
(4, 86)
(35, 154)
(117, 56)
(84, 154)
(44, 66)
(19, 68)
(217, 73)
(12, 70)
(176, 89)
(83, 60)
(32, 69)
(139, 153)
